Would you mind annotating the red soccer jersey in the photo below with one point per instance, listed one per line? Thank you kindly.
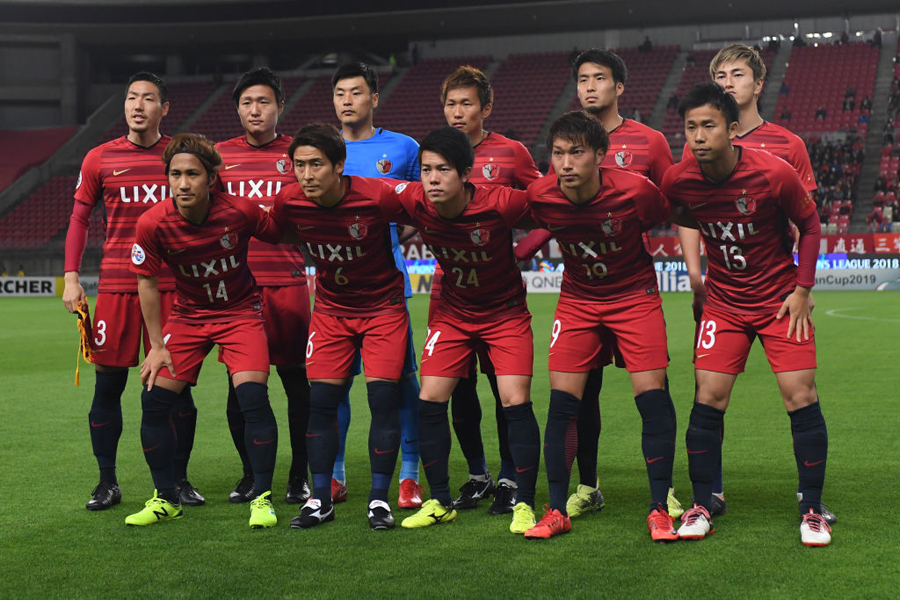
(780, 142)
(213, 282)
(635, 147)
(603, 251)
(743, 221)
(502, 161)
(350, 244)
(129, 179)
(258, 174)
(481, 279)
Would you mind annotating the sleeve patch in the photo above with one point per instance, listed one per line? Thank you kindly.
(138, 256)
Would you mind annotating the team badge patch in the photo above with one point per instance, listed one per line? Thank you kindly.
(611, 226)
(401, 187)
(384, 166)
(283, 166)
(358, 230)
(480, 236)
(229, 240)
(137, 255)
(490, 171)
(746, 205)
(78, 183)
(624, 159)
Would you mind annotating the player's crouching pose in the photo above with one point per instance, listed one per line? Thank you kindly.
(360, 305)
(202, 235)
(741, 199)
(609, 288)
(482, 302)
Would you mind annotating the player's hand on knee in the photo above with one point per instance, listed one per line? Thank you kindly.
(156, 359)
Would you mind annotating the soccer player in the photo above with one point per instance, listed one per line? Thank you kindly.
(203, 236)
(125, 177)
(600, 76)
(741, 199)
(742, 72)
(482, 302)
(468, 99)
(377, 152)
(609, 295)
(359, 307)
(256, 167)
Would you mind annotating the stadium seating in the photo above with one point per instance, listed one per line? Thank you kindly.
(34, 222)
(32, 147)
(526, 87)
(820, 76)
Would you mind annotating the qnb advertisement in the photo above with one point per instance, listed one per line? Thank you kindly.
(835, 271)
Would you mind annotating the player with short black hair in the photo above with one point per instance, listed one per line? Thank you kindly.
(600, 76)
(742, 72)
(124, 175)
(482, 303)
(256, 168)
(609, 295)
(202, 234)
(741, 199)
(377, 152)
(360, 307)
(467, 98)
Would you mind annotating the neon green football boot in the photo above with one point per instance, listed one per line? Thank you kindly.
(155, 510)
(262, 513)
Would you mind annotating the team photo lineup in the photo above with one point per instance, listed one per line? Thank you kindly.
(219, 260)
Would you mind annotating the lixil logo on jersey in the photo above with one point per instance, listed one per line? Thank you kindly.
(137, 255)
(480, 236)
(611, 227)
(624, 159)
(490, 171)
(746, 205)
(283, 166)
(358, 230)
(384, 166)
(229, 240)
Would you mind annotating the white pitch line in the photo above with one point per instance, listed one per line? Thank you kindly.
(834, 313)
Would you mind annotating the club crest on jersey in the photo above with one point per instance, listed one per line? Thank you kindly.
(611, 227)
(746, 205)
(283, 166)
(624, 158)
(358, 230)
(229, 240)
(384, 166)
(490, 171)
(137, 255)
(480, 236)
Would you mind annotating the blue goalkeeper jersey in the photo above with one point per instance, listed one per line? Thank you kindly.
(391, 155)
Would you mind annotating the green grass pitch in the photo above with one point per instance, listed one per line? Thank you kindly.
(53, 547)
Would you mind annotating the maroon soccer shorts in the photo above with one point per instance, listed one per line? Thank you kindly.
(118, 326)
(242, 342)
(333, 343)
(724, 339)
(584, 334)
(451, 345)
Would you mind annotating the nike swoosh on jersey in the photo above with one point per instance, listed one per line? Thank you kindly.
(232, 166)
(557, 228)
(176, 250)
(117, 173)
(696, 206)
